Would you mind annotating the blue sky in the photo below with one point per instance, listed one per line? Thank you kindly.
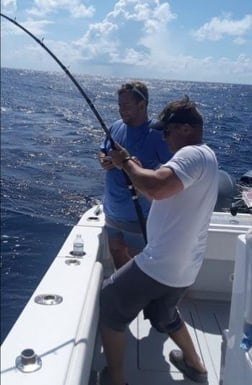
(195, 40)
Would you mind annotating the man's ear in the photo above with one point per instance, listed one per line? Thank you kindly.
(142, 104)
(187, 129)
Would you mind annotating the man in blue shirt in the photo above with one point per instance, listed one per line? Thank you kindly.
(133, 132)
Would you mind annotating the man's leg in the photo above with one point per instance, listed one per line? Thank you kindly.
(119, 251)
(183, 339)
(113, 344)
(122, 252)
(123, 295)
(124, 244)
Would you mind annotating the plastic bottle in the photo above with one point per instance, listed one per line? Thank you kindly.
(78, 246)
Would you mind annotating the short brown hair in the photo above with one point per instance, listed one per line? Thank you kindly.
(138, 89)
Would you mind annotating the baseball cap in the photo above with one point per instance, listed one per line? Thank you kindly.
(182, 111)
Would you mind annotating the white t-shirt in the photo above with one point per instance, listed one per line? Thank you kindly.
(177, 226)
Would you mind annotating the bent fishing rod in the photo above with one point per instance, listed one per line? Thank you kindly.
(96, 113)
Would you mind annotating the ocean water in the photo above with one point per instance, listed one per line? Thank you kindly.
(49, 169)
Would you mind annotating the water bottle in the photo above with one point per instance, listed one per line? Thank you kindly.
(78, 246)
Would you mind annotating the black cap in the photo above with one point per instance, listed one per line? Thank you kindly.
(181, 111)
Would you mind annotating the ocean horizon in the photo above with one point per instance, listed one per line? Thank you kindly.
(50, 174)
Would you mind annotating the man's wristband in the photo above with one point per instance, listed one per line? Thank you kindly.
(125, 160)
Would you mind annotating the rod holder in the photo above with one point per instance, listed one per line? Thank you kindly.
(28, 361)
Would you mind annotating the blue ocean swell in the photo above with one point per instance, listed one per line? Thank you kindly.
(49, 169)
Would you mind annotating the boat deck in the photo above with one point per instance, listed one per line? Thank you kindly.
(147, 353)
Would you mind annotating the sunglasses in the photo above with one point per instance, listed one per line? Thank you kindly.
(132, 88)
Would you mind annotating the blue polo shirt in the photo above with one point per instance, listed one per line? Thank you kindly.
(150, 148)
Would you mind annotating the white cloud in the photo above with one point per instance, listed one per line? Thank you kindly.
(150, 13)
(136, 38)
(100, 39)
(9, 5)
(222, 69)
(217, 28)
(239, 40)
(148, 19)
(68, 53)
(75, 7)
(131, 57)
(38, 28)
(153, 50)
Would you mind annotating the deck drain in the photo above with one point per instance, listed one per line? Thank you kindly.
(48, 299)
(93, 219)
(72, 262)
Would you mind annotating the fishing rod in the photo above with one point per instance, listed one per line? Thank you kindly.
(96, 113)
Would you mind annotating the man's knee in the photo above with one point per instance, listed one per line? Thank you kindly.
(110, 315)
(167, 328)
(167, 321)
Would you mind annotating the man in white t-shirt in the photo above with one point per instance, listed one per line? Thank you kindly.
(183, 193)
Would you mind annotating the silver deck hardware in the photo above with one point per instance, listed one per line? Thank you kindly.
(28, 361)
(48, 299)
(98, 210)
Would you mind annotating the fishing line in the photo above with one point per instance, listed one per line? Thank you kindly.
(96, 113)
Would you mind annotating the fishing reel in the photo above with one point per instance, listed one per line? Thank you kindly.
(232, 196)
(243, 201)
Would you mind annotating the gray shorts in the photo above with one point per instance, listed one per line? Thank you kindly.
(129, 290)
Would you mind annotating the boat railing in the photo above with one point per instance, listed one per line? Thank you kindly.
(236, 365)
